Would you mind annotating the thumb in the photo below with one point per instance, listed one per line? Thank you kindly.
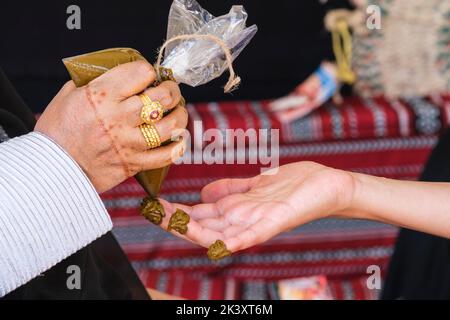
(225, 187)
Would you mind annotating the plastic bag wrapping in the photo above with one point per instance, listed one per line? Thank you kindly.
(198, 61)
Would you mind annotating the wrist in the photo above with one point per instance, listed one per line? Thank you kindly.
(360, 204)
(338, 194)
(348, 192)
(353, 204)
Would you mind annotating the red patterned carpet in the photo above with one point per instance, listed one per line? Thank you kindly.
(375, 136)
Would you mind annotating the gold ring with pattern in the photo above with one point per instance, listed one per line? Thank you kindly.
(151, 111)
(151, 135)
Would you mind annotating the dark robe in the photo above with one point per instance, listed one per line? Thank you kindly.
(106, 272)
(420, 265)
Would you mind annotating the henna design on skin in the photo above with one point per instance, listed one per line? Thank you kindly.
(102, 94)
(89, 96)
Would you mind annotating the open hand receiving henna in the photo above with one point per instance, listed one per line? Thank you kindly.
(246, 212)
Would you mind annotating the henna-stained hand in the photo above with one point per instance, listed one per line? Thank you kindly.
(98, 124)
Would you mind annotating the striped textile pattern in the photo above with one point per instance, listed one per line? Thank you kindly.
(373, 136)
(356, 118)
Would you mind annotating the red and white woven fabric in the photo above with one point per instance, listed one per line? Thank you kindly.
(374, 136)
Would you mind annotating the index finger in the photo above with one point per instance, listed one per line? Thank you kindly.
(198, 211)
(125, 80)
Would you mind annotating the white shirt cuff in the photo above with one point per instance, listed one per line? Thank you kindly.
(48, 209)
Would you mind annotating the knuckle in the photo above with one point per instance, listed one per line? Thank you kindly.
(146, 69)
(178, 151)
(172, 125)
(165, 96)
(167, 160)
(165, 91)
(68, 86)
(184, 118)
(174, 88)
(178, 122)
(167, 157)
(136, 167)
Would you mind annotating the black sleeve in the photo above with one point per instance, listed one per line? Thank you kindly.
(11, 102)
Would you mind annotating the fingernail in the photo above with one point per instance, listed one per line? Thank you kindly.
(166, 101)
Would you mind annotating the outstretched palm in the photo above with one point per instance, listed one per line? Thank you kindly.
(246, 212)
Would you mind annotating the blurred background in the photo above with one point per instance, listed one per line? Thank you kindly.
(374, 133)
(290, 43)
